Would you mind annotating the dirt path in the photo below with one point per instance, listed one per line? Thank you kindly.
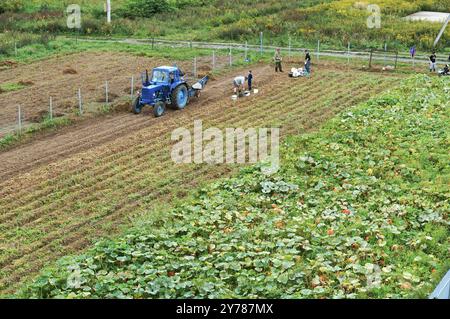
(60, 193)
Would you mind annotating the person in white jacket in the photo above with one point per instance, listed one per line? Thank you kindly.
(238, 83)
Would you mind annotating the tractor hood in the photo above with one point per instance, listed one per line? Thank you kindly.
(148, 92)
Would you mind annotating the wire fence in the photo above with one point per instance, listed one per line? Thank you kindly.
(53, 104)
(83, 100)
(386, 54)
(122, 88)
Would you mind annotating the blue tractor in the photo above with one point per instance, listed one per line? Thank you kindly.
(166, 86)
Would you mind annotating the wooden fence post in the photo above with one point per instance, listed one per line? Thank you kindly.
(261, 50)
(80, 103)
(132, 87)
(396, 59)
(195, 67)
(50, 108)
(106, 92)
(290, 45)
(318, 50)
(19, 119)
(246, 51)
(348, 53)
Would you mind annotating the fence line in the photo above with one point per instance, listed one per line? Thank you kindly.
(402, 55)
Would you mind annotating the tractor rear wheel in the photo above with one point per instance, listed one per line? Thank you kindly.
(136, 105)
(159, 109)
(180, 97)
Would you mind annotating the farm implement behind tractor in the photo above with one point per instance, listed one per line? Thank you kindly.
(166, 86)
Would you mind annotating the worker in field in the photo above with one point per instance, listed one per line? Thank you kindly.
(308, 62)
(446, 70)
(278, 59)
(238, 84)
(433, 62)
(250, 80)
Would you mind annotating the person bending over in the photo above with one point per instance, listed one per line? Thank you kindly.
(238, 84)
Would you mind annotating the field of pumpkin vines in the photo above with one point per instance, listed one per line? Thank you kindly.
(92, 181)
(358, 209)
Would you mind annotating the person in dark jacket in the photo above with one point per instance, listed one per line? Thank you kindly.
(433, 62)
(308, 62)
(250, 80)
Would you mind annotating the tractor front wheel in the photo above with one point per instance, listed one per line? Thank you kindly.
(180, 97)
(159, 109)
(136, 105)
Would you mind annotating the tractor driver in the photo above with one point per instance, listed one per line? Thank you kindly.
(238, 84)
(172, 77)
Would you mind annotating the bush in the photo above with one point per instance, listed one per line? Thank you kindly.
(11, 5)
(145, 8)
(9, 40)
(91, 26)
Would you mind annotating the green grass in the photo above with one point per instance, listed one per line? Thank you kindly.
(46, 125)
(10, 87)
(63, 46)
(358, 209)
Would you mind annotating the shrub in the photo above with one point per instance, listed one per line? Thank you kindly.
(11, 5)
(145, 8)
(91, 26)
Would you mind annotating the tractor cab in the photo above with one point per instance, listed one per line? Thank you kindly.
(164, 75)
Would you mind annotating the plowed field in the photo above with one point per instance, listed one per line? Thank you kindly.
(62, 191)
(60, 78)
